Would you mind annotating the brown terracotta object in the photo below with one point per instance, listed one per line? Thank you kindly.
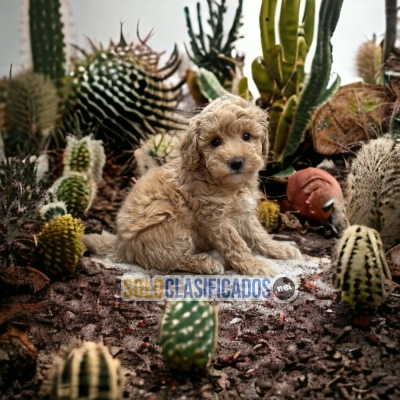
(313, 192)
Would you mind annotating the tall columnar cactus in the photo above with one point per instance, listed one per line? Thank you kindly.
(60, 245)
(90, 372)
(84, 155)
(32, 109)
(315, 92)
(208, 57)
(47, 38)
(279, 74)
(189, 334)
(76, 190)
(124, 92)
(361, 266)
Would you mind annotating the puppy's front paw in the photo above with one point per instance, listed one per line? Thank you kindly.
(283, 251)
(262, 268)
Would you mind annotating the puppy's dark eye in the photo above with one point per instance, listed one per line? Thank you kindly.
(216, 142)
(246, 137)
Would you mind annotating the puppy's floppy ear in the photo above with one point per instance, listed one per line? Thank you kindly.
(190, 146)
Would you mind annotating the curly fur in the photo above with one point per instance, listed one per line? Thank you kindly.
(196, 213)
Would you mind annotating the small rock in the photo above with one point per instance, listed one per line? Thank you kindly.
(115, 350)
(137, 381)
(337, 355)
(235, 321)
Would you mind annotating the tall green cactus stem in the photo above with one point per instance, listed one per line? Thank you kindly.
(76, 190)
(279, 74)
(391, 27)
(84, 155)
(189, 334)
(60, 245)
(315, 92)
(208, 57)
(47, 38)
(89, 372)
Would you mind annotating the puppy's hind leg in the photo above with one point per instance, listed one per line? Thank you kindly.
(102, 245)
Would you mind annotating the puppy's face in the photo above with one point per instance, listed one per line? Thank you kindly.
(231, 143)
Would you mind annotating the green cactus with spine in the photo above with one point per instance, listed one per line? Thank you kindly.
(209, 57)
(361, 266)
(53, 209)
(122, 90)
(84, 155)
(47, 38)
(76, 190)
(189, 334)
(89, 372)
(315, 92)
(60, 245)
(32, 110)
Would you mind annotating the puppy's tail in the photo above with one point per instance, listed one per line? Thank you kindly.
(103, 245)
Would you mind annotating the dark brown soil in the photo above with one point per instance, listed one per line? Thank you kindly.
(309, 349)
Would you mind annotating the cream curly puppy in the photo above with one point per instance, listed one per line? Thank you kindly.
(198, 213)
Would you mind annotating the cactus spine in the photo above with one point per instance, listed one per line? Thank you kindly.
(189, 334)
(60, 245)
(361, 266)
(47, 38)
(90, 372)
(86, 156)
(268, 214)
(76, 190)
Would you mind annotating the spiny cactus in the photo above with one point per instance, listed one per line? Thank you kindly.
(47, 38)
(90, 372)
(374, 189)
(76, 190)
(369, 61)
(32, 109)
(52, 210)
(361, 266)
(122, 91)
(209, 58)
(84, 155)
(189, 334)
(60, 245)
(268, 214)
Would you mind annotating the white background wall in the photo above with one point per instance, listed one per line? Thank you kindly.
(99, 20)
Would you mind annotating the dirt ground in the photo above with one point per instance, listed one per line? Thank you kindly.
(309, 349)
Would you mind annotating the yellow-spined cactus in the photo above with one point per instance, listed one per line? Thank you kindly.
(361, 266)
(76, 190)
(268, 214)
(84, 155)
(89, 372)
(60, 245)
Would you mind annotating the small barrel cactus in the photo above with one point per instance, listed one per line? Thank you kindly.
(189, 334)
(90, 372)
(52, 210)
(361, 266)
(85, 155)
(268, 214)
(76, 190)
(60, 245)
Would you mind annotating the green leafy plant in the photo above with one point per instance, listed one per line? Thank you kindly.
(209, 57)
(189, 334)
(60, 245)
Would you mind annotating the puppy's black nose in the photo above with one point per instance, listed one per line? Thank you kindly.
(236, 163)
